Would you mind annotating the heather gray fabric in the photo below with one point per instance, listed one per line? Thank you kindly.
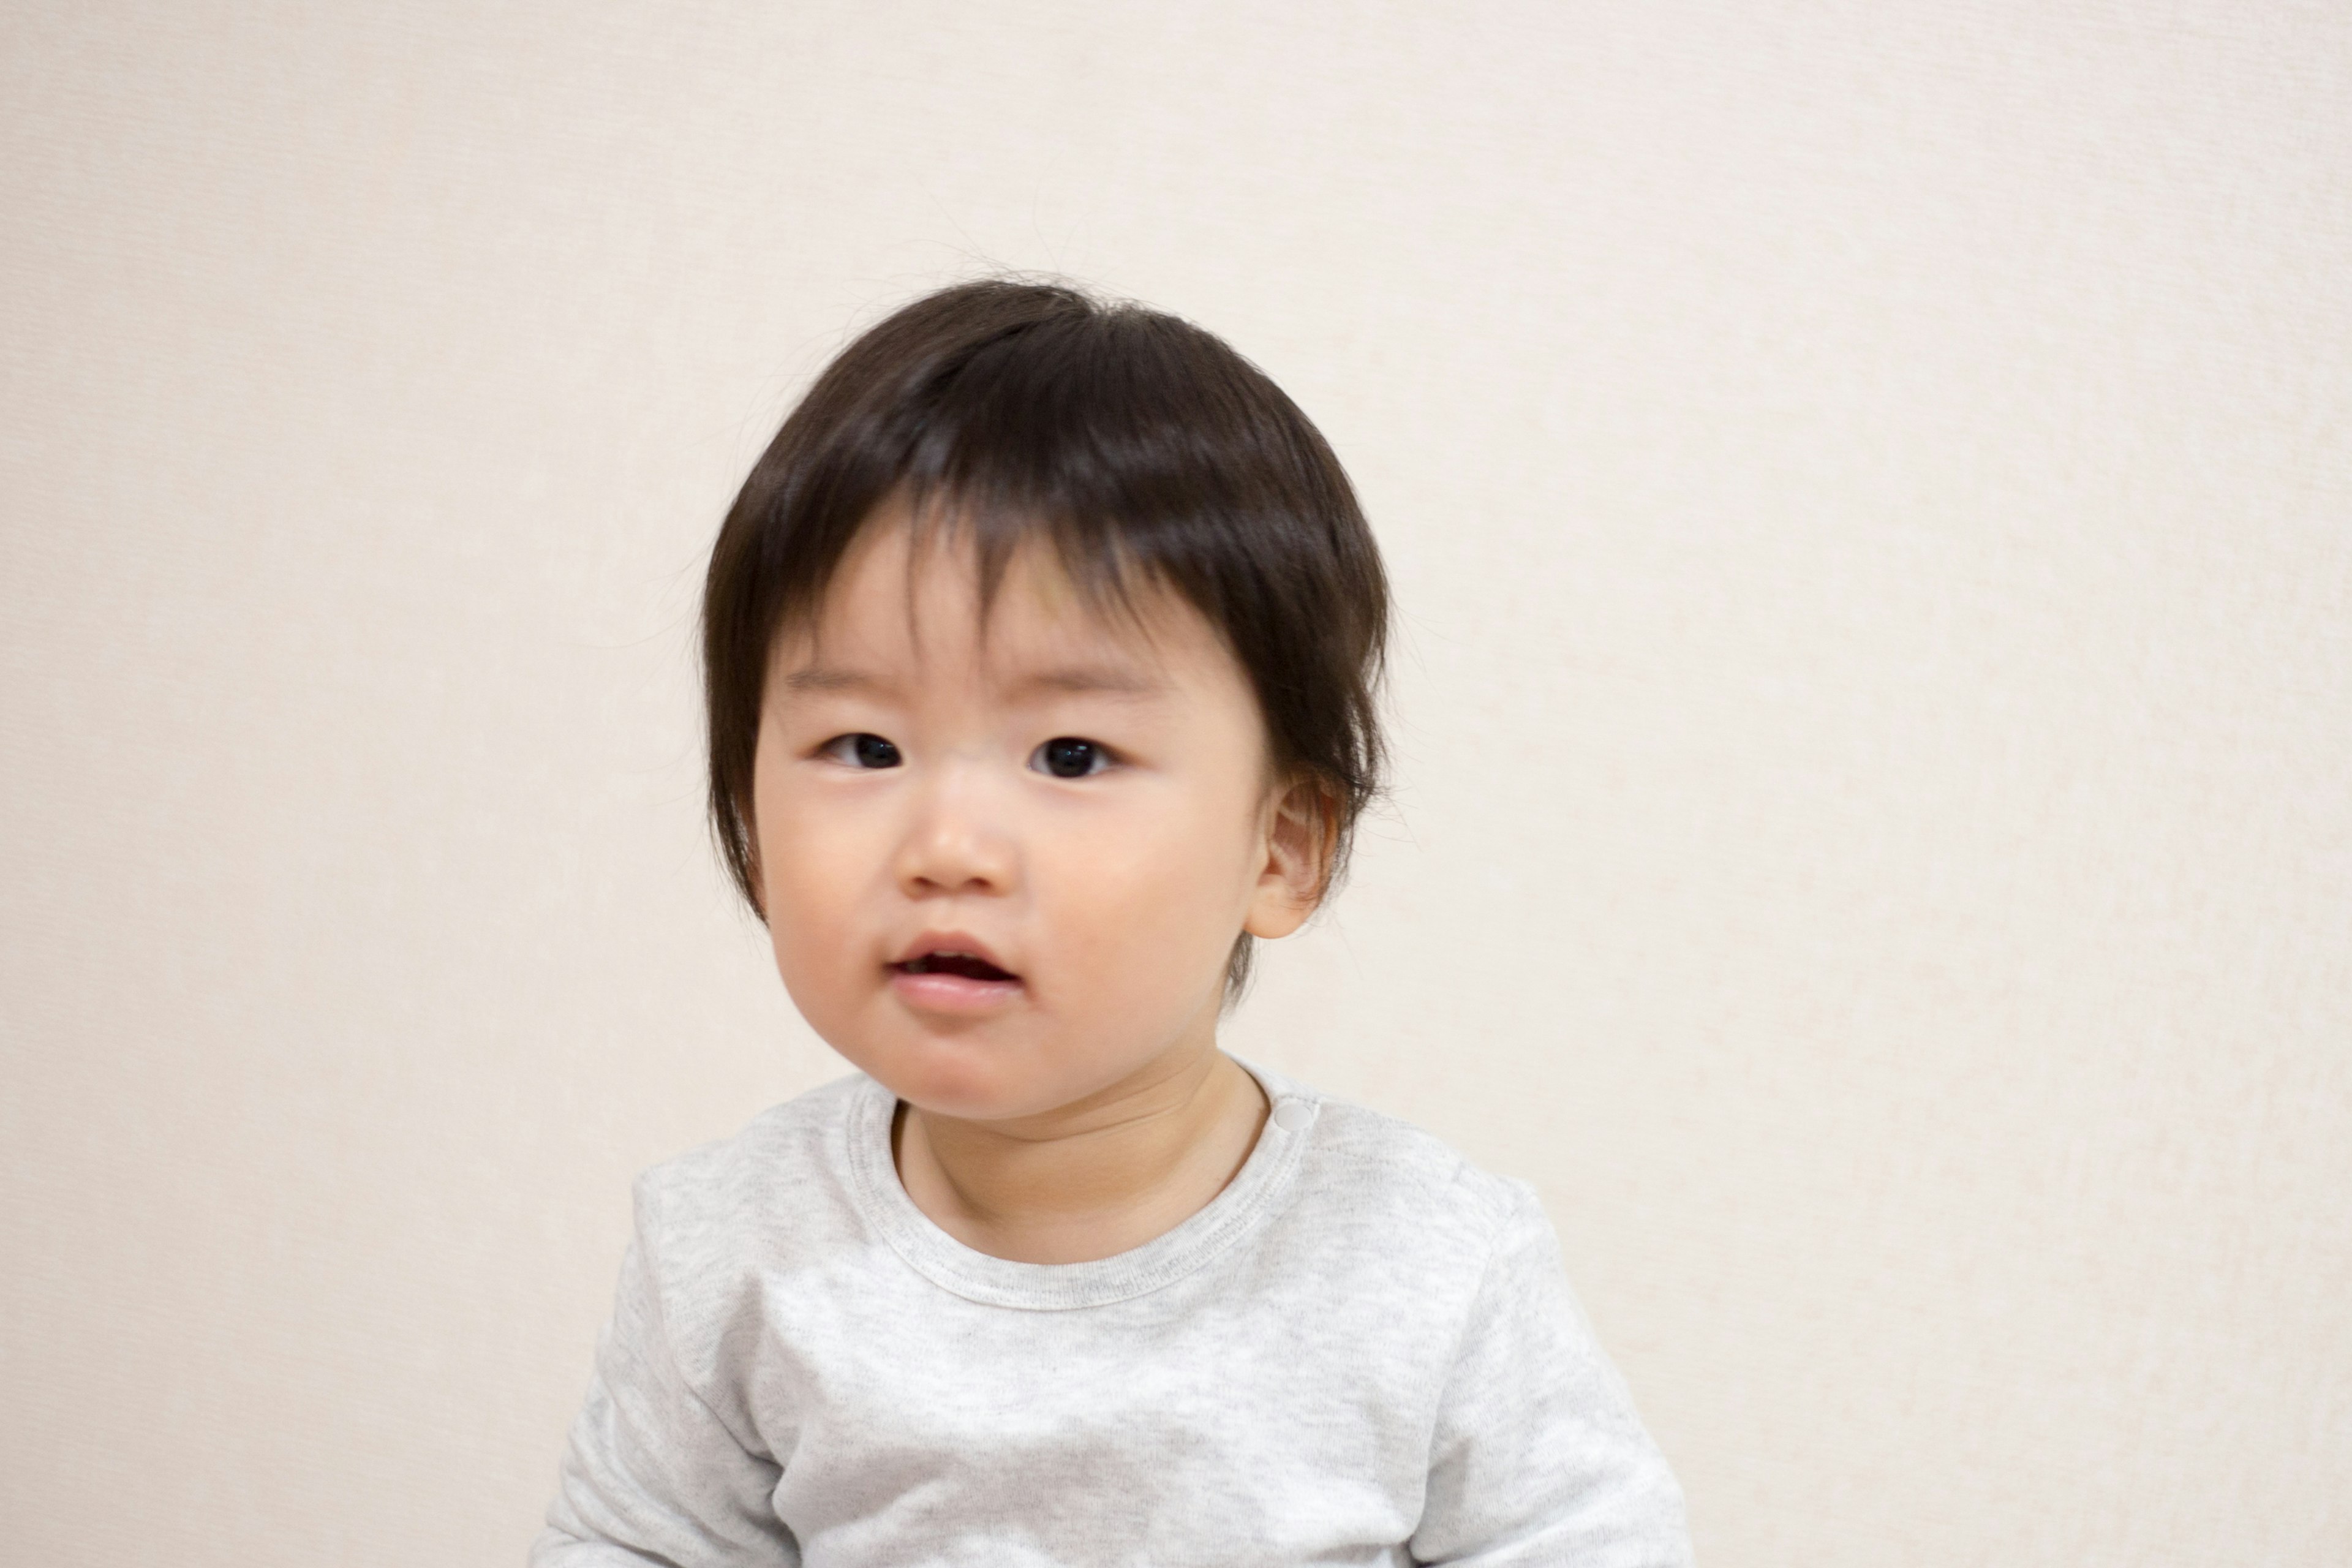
(1363, 1351)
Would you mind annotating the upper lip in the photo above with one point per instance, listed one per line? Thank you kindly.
(958, 941)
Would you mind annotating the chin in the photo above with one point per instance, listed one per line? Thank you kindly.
(963, 1077)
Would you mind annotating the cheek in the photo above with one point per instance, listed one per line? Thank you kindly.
(811, 874)
(1153, 901)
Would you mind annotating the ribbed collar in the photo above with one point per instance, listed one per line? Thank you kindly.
(1246, 1200)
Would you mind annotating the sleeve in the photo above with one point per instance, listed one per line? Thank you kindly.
(652, 1474)
(1538, 1456)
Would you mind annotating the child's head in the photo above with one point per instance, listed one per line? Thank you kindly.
(1041, 649)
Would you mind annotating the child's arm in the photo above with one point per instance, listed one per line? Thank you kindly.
(1538, 1456)
(653, 1475)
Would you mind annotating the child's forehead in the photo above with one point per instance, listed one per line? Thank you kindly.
(906, 596)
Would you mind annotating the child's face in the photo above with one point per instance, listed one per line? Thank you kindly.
(1079, 808)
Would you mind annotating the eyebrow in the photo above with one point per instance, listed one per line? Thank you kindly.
(1076, 679)
(1089, 679)
(825, 677)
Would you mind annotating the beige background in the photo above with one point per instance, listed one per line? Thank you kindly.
(1871, 496)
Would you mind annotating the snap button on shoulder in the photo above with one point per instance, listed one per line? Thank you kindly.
(1292, 1114)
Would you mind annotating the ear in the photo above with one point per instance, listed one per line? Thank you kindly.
(1300, 835)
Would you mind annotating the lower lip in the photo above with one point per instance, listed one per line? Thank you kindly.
(938, 992)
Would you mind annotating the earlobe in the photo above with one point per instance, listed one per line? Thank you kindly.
(1300, 839)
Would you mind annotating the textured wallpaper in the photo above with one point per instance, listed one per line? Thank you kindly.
(1870, 493)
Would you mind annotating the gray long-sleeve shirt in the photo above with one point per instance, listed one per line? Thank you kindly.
(1363, 1351)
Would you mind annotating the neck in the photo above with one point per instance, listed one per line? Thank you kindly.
(1091, 1179)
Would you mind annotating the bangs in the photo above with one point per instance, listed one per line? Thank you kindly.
(1108, 435)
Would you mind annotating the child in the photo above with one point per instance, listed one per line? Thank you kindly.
(1042, 648)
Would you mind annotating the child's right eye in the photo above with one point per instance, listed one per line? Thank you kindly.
(862, 752)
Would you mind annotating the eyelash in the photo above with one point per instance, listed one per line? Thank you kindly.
(1101, 756)
(846, 751)
(852, 751)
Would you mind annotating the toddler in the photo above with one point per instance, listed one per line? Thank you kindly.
(1041, 649)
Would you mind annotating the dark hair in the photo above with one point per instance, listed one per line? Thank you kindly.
(1143, 448)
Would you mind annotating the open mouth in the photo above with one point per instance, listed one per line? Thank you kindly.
(950, 975)
(962, 964)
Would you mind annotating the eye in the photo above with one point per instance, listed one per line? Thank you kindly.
(863, 751)
(1068, 757)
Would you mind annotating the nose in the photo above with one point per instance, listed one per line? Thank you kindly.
(956, 840)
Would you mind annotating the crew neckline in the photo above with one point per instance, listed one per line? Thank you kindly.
(1246, 1200)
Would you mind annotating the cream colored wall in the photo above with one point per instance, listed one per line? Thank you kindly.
(1870, 492)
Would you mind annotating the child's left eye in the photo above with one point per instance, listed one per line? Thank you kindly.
(1068, 757)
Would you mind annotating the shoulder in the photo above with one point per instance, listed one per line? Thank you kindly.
(1379, 1176)
(779, 1180)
